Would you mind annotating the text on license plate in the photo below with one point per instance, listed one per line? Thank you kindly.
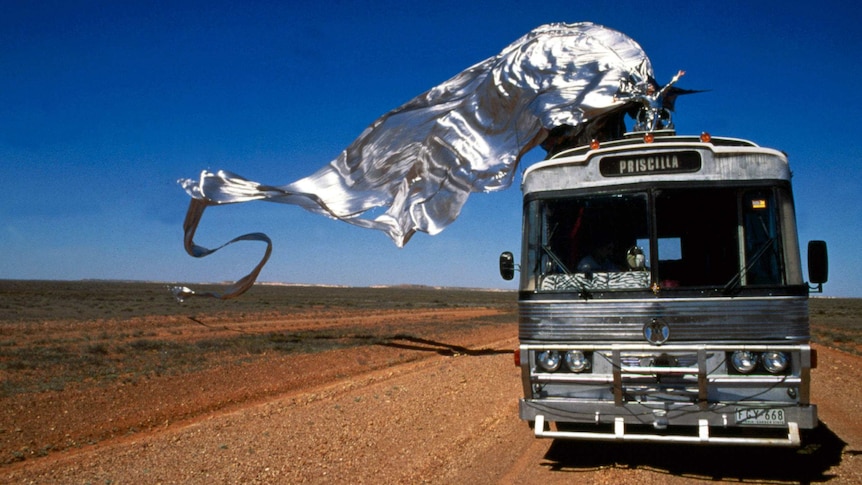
(760, 416)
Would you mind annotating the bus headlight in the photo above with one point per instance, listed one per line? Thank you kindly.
(744, 361)
(549, 360)
(576, 361)
(774, 362)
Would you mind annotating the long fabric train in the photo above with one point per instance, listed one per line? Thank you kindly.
(418, 163)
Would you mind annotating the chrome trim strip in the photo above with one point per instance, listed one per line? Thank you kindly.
(774, 318)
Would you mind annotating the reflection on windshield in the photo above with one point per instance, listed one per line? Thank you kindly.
(714, 237)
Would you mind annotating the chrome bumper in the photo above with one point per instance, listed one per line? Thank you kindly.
(703, 437)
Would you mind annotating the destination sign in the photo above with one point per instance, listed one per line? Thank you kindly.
(650, 164)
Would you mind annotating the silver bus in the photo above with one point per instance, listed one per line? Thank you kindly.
(661, 294)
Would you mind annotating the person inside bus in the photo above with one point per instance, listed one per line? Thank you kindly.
(600, 259)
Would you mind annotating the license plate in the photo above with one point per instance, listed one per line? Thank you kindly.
(760, 416)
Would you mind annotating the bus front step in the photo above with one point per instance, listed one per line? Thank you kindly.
(619, 434)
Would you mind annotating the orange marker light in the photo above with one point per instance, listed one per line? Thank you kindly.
(705, 137)
(594, 144)
(648, 138)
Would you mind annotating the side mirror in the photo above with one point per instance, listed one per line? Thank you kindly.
(507, 266)
(818, 263)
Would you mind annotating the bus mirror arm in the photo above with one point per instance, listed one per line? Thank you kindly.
(818, 265)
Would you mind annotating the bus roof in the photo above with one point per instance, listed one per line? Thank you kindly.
(657, 157)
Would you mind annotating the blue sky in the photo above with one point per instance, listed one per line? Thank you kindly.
(104, 105)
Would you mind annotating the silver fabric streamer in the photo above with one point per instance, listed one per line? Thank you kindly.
(418, 163)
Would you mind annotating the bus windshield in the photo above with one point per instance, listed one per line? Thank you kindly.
(724, 238)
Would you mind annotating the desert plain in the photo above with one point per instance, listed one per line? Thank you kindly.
(116, 382)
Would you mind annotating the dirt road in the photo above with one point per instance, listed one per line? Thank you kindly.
(421, 402)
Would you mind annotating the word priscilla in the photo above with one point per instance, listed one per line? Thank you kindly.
(659, 163)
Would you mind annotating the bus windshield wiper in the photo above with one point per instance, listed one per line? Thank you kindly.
(556, 259)
(585, 293)
(733, 285)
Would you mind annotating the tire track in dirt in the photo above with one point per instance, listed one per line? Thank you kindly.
(358, 427)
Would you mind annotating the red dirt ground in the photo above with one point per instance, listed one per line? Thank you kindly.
(393, 396)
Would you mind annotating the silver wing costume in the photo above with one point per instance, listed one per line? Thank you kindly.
(418, 163)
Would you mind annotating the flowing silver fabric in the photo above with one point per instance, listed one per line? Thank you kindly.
(413, 169)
